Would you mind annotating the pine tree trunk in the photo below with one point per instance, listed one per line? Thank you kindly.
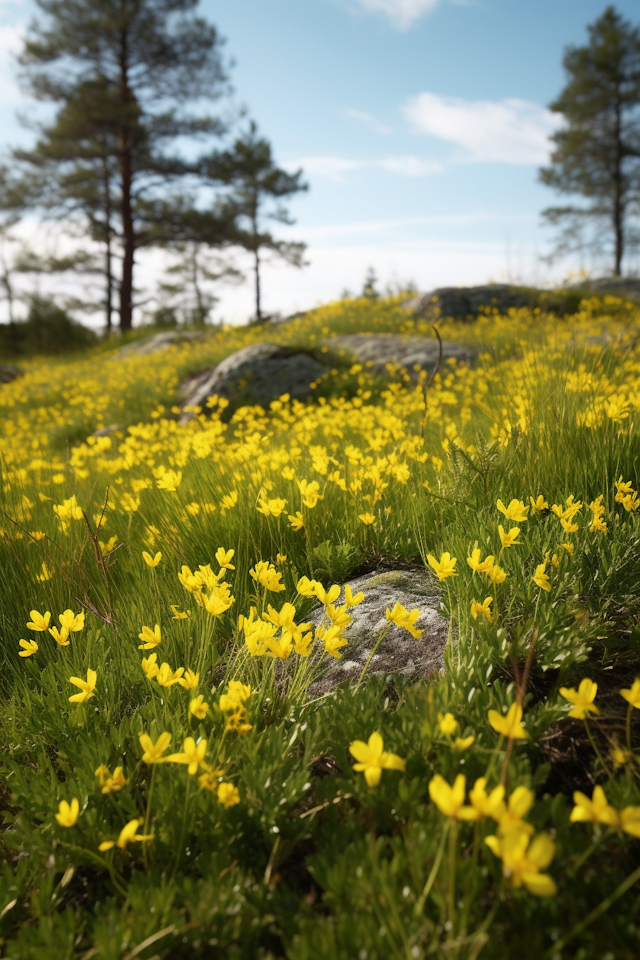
(257, 273)
(126, 214)
(108, 254)
(618, 203)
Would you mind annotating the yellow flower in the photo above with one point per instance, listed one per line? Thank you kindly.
(310, 492)
(333, 640)
(178, 614)
(224, 558)
(192, 755)
(229, 501)
(271, 508)
(630, 694)
(280, 559)
(153, 751)
(150, 666)
(128, 834)
(190, 680)
(568, 525)
(450, 799)
(72, 622)
(235, 696)
(596, 810)
(68, 509)
(630, 820)
(487, 804)
(508, 539)
(61, 637)
(540, 578)
(372, 759)
(476, 564)
(509, 725)
(67, 815)
(463, 743)
(109, 783)
(404, 619)
(151, 561)
(496, 574)
(582, 698)
(307, 588)
(166, 677)
(351, 599)
(150, 638)
(516, 511)
(484, 608)
(448, 723)
(517, 807)
(197, 707)
(39, 622)
(169, 480)
(445, 567)
(523, 859)
(267, 576)
(297, 521)
(538, 504)
(29, 647)
(367, 518)
(228, 795)
(327, 596)
(87, 686)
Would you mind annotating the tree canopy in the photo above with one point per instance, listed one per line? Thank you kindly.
(597, 151)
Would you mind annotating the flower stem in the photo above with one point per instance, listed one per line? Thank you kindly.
(147, 816)
(371, 656)
(596, 749)
(451, 878)
(629, 709)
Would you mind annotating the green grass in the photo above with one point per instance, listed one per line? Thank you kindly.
(312, 862)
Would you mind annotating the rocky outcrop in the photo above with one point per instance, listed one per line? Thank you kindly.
(8, 373)
(398, 652)
(256, 374)
(159, 341)
(626, 288)
(410, 352)
(465, 303)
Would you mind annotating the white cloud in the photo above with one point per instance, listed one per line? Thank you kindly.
(370, 120)
(409, 166)
(332, 168)
(401, 13)
(504, 131)
(336, 168)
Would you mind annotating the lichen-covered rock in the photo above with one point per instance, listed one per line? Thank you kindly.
(8, 373)
(159, 341)
(465, 303)
(398, 652)
(256, 374)
(409, 352)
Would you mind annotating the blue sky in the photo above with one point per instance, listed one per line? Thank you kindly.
(420, 125)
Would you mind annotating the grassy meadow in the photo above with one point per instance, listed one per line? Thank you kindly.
(168, 786)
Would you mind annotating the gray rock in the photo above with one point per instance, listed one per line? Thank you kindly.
(256, 374)
(465, 303)
(159, 341)
(627, 288)
(408, 352)
(398, 652)
(8, 373)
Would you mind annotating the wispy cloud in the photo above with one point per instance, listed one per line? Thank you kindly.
(401, 13)
(498, 131)
(370, 120)
(336, 168)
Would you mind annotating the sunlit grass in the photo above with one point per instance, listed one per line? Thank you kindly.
(253, 834)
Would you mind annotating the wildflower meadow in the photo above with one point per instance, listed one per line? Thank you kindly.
(170, 786)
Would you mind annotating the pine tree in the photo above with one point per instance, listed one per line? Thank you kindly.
(597, 152)
(254, 180)
(122, 73)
